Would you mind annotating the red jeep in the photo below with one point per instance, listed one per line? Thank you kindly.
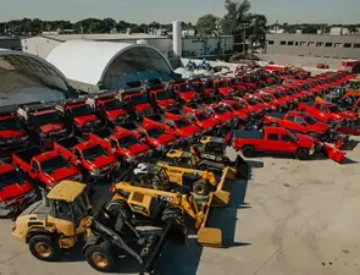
(43, 122)
(12, 135)
(80, 117)
(16, 193)
(47, 168)
(274, 140)
(91, 157)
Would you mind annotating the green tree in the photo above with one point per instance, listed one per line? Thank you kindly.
(109, 24)
(206, 24)
(309, 29)
(257, 30)
(353, 29)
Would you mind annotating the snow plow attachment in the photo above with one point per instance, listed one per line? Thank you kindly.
(341, 141)
(242, 168)
(333, 153)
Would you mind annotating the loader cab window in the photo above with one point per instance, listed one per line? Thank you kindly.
(274, 137)
(216, 148)
(61, 210)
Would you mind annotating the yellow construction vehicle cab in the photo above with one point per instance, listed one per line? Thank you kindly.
(152, 203)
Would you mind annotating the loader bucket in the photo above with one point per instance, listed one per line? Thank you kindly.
(210, 236)
(242, 168)
(333, 153)
(227, 173)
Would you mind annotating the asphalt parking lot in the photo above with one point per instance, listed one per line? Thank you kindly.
(292, 217)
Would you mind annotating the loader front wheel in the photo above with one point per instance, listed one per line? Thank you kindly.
(44, 248)
(119, 207)
(200, 188)
(100, 257)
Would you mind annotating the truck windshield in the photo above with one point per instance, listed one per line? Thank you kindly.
(306, 87)
(50, 165)
(181, 123)
(46, 119)
(164, 95)
(202, 116)
(267, 98)
(139, 99)
(222, 109)
(223, 84)
(335, 109)
(310, 120)
(94, 152)
(9, 124)
(253, 101)
(237, 107)
(247, 79)
(278, 94)
(9, 178)
(155, 132)
(290, 92)
(83, 110)
(126, 142)
(186, 88)
(113, 105)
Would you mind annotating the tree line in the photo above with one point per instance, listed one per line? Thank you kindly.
(314, 28)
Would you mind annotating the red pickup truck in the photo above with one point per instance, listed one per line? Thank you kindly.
(91, 157)
(205, 88)
(163, 98)
(185, 92)
(47, 168)
(109, 108)
(181, 127)
(157, 137)
(328, 112)
(16, 193)
(43, 123)
(124, 145)
(224, 114)
(80, 117)
(12, 135)
(138, 103)
(275, 140)
(258, 104)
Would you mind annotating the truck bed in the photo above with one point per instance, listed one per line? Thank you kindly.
(103, 133)
(27, 154)
(68, 143)
(248, 134)
(128, 125)
(157, 118)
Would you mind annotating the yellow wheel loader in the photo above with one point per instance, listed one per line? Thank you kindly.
(64, 218)
(133, 201)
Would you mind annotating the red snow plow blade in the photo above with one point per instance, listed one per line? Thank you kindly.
(333, 153)
(350, 131)
(341, 141)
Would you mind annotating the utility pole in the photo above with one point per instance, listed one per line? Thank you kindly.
(244, 27)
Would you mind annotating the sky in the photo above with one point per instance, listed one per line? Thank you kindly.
(165, 11)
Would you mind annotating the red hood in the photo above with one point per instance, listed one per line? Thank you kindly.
(62, 174)
(51, 127)
(305, 141)
(102, 161)
(225, 91)
(243, 113)
(138, 148)
(209, 92)
(82, 120)
(114, 114)
(225, 117)
(166, 102)
(318, 127)
(187, 96)
(188, 131)
(14, 190)
(142, 107)
(207, 124)
(11, 134)
(163, 139)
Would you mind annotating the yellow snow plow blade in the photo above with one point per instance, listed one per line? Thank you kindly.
(211, 236)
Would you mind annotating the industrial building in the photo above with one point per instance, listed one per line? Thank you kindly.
(10, 43)
(321, 46)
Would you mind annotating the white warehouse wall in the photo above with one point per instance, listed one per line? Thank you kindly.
(39, 46)
(207, 46)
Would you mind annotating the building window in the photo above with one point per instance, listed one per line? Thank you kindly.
(290, 43)
(302, 43)
(357, 45)
(271, 42)
(347, 45)
(311, 44)
(337, 45)
(282, 43)
(296, 43)
(328, 44)
(319, 44)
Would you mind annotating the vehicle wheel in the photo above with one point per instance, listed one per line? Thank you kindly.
(170, 214)
(203, 167)
(174, 215)
(302, 154)
(44, 248)
(248, 151)
(312, 134)
(200, 188)
(119, 207)
(99, 257)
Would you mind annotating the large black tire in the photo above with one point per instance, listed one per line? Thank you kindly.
(200, 188)
(44, 248)
(248, 151)
(119, 207)
(99, 257)
(179, 230)
(171, 213)
(302, 154)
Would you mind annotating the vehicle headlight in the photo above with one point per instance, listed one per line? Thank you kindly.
(95, 172)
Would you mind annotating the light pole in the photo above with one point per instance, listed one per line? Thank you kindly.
(244, 27)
